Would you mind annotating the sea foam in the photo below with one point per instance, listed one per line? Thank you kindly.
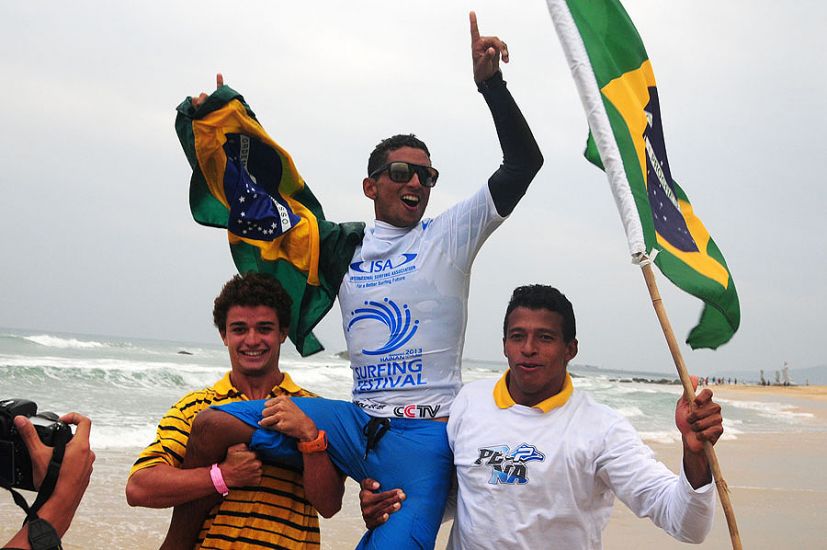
(49, 341)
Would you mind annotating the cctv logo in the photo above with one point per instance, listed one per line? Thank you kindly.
(416, 411)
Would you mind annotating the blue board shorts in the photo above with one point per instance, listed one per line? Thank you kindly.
(412, 455)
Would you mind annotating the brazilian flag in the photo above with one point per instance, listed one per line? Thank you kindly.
(244, 182)
(618, 89)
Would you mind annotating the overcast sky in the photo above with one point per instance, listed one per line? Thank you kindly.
(98, 238)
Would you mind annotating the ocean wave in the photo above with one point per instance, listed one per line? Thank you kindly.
(665, 437)
(595, 384)
(50, 341)
(770, 409)
(629, 411)
(119, 437)
(630, 388)
(123, 375)
(107, 345)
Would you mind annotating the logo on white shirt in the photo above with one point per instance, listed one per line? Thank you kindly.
(401, 327)
(379, 266)
(508, 466)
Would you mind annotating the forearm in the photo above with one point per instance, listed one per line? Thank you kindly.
(20, 541)
(696, 468)
(58, 511)
(670, 502)
(650, 490)
(691, 510)
(700, 424)
(163, 486)
(324, 486)
(522, 158)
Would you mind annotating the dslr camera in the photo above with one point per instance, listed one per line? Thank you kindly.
(15, 462)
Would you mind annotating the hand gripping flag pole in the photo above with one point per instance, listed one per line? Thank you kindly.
(616, 84)
(689, 394)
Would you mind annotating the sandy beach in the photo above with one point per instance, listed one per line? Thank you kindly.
(777, 481)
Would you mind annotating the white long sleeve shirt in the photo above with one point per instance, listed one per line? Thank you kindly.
(546, 476)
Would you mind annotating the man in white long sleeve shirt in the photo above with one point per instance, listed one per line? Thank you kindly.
(539, 463)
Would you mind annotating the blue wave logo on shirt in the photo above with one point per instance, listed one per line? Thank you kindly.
(378, 266)
(398, 321)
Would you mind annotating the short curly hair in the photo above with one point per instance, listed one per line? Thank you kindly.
(251, 290)
(536, 297)
(379, 156)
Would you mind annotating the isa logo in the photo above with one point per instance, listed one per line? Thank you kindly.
(508, 466)
(383, 265)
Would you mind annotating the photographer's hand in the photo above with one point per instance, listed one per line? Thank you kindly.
(39, 453)
(72, 481)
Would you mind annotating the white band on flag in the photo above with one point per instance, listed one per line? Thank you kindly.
(590, 96)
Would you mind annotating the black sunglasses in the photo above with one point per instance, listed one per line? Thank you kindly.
(402, 172)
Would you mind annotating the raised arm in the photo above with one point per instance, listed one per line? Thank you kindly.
(521, 155)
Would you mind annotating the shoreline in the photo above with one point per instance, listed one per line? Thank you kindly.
(816, 393)
(777, 481)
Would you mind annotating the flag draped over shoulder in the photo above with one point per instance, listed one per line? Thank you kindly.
(617, 87)
(244, 182)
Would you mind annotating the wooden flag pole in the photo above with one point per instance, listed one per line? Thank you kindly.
(689, 392)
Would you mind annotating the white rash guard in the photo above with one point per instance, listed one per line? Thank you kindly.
(404, 309)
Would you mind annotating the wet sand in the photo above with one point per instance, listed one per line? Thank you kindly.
(778, 487)
(741, 391)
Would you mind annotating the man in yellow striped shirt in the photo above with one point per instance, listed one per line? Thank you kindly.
(256, 505)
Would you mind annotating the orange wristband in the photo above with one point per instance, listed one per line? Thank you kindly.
(318, 445)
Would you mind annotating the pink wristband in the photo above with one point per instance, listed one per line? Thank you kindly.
(218, 480)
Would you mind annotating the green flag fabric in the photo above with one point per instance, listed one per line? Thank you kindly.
(244, 182)
(617, 87)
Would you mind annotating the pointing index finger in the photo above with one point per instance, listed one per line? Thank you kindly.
(475, 31)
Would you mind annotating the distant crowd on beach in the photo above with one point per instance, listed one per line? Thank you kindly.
(716, 380)
(782, 378)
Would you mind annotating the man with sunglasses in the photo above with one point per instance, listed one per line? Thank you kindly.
(404, 298)
(404, 310)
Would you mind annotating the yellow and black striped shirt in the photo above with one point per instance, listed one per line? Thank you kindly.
(273, 515)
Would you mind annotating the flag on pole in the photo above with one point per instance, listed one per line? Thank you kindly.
(617, 88)
(243, 181)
